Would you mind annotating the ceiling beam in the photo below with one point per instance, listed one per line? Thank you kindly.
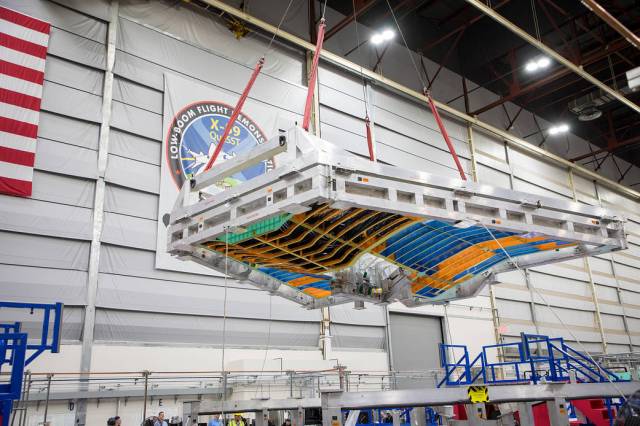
(625, 32)
(624, 144)
(362, 7)
(590, 59)
(450, 34)
(552, 53)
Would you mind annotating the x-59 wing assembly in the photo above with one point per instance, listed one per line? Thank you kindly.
(326, 227)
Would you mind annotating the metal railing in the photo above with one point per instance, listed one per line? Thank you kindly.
(550, 360)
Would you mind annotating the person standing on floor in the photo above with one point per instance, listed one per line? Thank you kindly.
(215, 421)
(160, 421)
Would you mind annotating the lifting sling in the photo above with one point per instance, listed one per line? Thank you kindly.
(445, 135)
(367, 124)
(236, 112)
(313, 75)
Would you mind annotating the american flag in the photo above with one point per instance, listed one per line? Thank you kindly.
(23, 50)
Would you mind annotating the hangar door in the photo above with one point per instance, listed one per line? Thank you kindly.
(414, 341)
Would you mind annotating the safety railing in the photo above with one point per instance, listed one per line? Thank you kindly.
(536, 358)
(462, 371)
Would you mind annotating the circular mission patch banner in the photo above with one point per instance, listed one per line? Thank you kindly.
(194, 133)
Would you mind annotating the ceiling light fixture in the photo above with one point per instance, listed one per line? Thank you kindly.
(560, 128)
(537, 64)
(379, 38)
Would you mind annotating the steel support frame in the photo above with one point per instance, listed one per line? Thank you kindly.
(458, 395)
(403, 90)
(98, 207)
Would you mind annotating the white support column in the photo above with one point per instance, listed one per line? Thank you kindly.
(525, 410)
(331, 416)
(558, 415)
(395, 414)
(388, 337)
(474, 413)
(98, 208)
(325, 333)
(418, 416)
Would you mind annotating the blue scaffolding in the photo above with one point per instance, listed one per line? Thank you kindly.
(16, 351)
(534, 359)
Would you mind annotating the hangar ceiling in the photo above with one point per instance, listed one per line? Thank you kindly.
(460, 37)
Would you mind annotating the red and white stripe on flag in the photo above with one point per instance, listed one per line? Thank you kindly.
(23, 50)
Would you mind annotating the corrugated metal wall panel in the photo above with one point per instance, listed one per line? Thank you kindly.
(71, 74)
(133, 174)
(514, 310)
(62, 17)
(346, 314)
(41, 251)
(68, 130)
(70, 160)
(361, 337)
(409, 353)
(167, 329)
(77, 48)
(71, 102)
(139, 70)
(129, 231)
(149, 295)
(43, 285)
(62, 189)
(137, 95)
(135, 147)
(44, 218)
(32, 324)
(130, 202)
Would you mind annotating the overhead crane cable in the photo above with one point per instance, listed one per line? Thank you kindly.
(427, 94)
(245, 93)
(367, 121)
(514, 262)
(536, 26)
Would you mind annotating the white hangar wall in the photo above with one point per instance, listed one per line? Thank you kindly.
(146, 318)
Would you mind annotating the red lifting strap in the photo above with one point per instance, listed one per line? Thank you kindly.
(313, 76)
(452, 150)
(367, 123)
(236, 112)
